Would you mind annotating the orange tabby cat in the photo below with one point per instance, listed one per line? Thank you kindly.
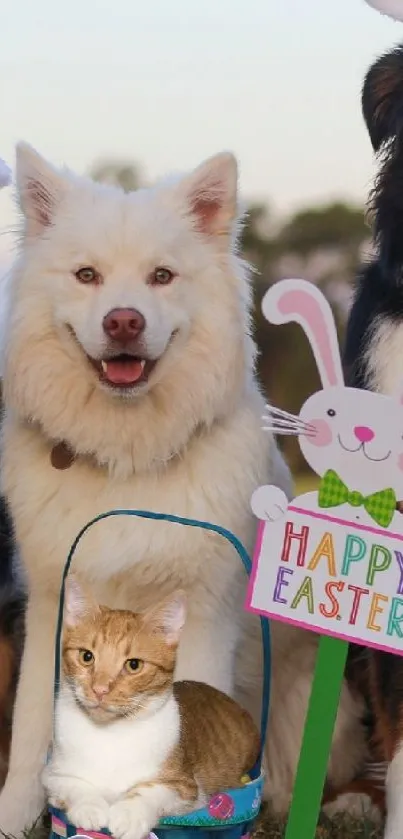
(130, 746)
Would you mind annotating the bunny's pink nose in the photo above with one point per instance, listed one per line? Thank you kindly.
(363, 433)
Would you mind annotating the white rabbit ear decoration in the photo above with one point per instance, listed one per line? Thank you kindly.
(303, 303)
(391, 8)
(5, 174)
(332, 559)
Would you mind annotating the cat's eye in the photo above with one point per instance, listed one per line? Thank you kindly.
(133, 665)
(86, 657)
(331, 412)
(161, 276)
(88, 275)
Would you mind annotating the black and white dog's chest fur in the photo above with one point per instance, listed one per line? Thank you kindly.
(373, 354)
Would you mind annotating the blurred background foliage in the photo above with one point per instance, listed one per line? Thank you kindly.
(323, 244)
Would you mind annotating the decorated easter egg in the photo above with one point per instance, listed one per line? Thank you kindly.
(221, 806)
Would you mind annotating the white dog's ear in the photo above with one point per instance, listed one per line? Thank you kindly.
(210, 193)
(40, 189)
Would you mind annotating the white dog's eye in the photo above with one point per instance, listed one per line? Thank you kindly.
(161, 276)
(331, 412)
(88, 274)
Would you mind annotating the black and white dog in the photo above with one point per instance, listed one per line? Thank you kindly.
(374, 343)
(374, 347)
(374, 360)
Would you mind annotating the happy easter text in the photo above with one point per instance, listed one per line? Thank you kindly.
(375, 559)
(343, 580)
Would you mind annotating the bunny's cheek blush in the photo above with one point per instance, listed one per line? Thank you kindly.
(323, 436)
(400, 462)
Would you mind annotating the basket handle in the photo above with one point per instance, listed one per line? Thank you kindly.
(204, 525)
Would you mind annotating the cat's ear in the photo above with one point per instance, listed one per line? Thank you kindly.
(40, 189)
(210, 193)
(168, 618)
(78, 604)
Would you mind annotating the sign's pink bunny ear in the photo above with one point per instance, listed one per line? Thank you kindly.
(302, 302)
(5, 174)
(392, 8)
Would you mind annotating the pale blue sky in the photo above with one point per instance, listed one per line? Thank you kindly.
(169, 82)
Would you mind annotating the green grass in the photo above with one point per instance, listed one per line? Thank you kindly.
(340, 827)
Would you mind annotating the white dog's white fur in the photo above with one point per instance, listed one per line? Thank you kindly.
(189, 442)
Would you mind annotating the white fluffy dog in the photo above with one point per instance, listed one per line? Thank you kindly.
(129, 361)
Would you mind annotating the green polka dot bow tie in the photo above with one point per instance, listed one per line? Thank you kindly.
(380, 506)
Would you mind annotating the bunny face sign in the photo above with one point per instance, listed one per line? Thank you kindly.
(332, 560)
(356, 433)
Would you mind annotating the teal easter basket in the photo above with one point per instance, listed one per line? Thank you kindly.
(231, 813)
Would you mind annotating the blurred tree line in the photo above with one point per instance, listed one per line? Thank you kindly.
(323, 244)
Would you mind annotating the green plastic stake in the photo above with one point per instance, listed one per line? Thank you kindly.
(317, 739)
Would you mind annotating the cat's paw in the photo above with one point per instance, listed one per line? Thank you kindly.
(90, 814)
(130, 819)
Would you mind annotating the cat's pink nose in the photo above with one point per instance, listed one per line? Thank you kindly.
(100, 691)
(363, 433)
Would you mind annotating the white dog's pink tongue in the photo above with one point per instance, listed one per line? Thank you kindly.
(123, 372)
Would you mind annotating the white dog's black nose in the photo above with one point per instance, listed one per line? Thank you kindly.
(123, 325)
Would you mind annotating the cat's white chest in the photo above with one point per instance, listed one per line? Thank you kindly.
(115, 757)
